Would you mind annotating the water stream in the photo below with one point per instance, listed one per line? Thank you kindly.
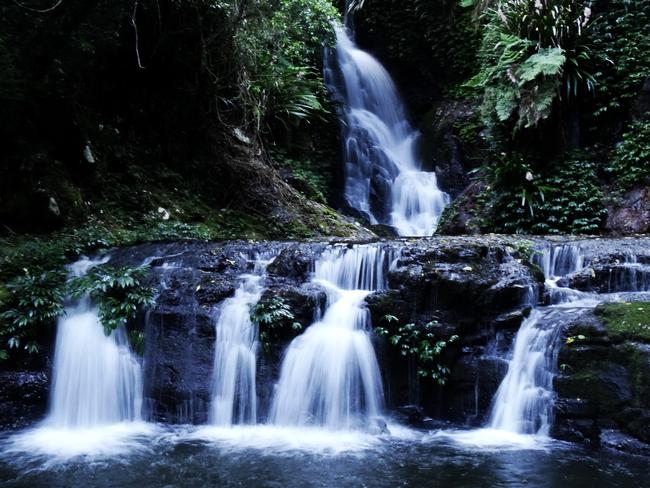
(383, 176)
(330, 376)
(523, 404)
(234, 397)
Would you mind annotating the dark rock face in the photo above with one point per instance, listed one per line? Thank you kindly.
(604, 383)
(23, 398)
(632, 214)
(472, 288)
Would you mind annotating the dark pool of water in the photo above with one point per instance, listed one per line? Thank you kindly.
(175, 458)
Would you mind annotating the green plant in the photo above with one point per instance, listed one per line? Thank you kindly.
(277, 48)
(312, 178)
(274, 318)
(30, 302)
(532, 54)
(621, 53)
(419, 343)
(565, 198)
(136, 340)
(119, 293)
(630, 164)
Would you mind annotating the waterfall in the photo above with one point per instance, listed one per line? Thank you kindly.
(630, 275)
(383, 176)
(561, 260)
(96, 379)
(234, 399)
(523, 403)
(557, 262)
(330, 376)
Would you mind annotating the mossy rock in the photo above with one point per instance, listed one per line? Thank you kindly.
(636, 358)
(605, 385)
(626, 320)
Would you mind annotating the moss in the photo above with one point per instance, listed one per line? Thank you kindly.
(629, 320)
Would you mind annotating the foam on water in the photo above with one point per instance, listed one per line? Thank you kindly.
(59, 444)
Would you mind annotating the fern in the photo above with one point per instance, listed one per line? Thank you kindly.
(547, 62)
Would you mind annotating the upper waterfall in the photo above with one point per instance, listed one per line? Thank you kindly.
(383, 176)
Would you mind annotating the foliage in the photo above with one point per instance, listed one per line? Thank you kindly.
(566, 198)
(31, 301)
(119, 293)
(274, 319)
(630, 164)
(621, 52)
(630, 320)
(136, 340)
(278, 46)
(419, 343)
(532, 54)
(426, 44)
(308, 176)
(572, 339)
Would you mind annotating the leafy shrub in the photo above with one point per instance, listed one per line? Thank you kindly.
(566, 198)
(274, 319)
(307, 176)
(278, 47)
(30, 302)
(119, 293)
(421, 344)
(621, 52)
(532, 54)
(630, 163)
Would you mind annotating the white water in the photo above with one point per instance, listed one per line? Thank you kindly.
(523, 403)
(630, 276)
(234, 398)
(96, 398)
(330, 376)
(557, 262)
(96, 379)
(383, 176)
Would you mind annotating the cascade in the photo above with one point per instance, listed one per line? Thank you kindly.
(383, 176)
(234, 398)
(523, 403)
(630, 275)
(557, 262)
(96, 379)
(330, 376)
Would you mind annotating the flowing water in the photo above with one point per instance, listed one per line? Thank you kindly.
(234, 397)
(330, 376)
(523, 404)
(96, 394)
(383, 176)
(173, 459)
(96, 379)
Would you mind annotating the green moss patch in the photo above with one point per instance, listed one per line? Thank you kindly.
(628, 319)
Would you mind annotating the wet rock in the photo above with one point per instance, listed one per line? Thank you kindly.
(23, 398)
(631, 214)
(511, 320)
(474, 380)
(604, 379)
(615, 439)
(294, 263)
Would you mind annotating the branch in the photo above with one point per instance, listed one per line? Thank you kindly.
(37, 10)
(135, 30)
